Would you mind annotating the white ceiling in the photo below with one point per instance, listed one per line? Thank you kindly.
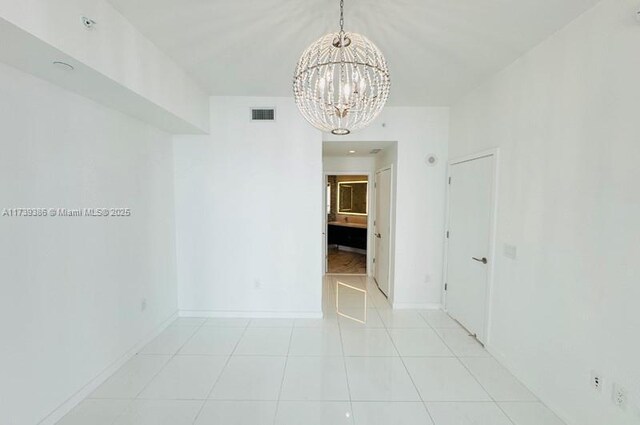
(437, 50)
(342, 148)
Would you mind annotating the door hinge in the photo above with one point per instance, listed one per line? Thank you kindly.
(446, 286)
(374, 260)
(447, 234)
(375, 185)
(449, 180)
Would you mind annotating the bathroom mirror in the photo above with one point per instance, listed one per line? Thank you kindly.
(352, 198)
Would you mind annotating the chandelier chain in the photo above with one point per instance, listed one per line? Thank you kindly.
(341, 16)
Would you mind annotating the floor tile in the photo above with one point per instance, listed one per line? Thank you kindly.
(529, 413)
(237, 413)
(402, 319)
(350, 279)
(314, 413)
(234, 370)
(419, 342)
(373, 320)
(439, 319)
(351, 298)
(95, 412)
(379, 379)
(328, 321)
(250, 378)
(476, 413)
(271, 323)
(185, 377)
(315, 378)
(386, 413)
(170, 340)
(227, 322)
(444, 379)
(316, 342)
(367, 342)
(496, 380)
(189, 321)
(461, 343)
(355, 318)
(131, 378)
(213, 341)
(160, 412)
(264, 342)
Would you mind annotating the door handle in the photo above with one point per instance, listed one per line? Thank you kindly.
(482, 260)
(378, 235)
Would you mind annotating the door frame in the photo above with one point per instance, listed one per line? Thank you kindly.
(495, 153)
(325, 225)
(391, 228)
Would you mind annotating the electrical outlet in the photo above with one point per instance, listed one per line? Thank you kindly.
(619, 396)
(596, 381)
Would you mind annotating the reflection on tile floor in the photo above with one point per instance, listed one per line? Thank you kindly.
(400, 367)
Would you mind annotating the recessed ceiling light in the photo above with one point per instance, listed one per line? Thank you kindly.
(352, 151)
(63, 66)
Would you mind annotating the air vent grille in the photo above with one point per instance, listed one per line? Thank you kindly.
(263, 114)
(375, 151)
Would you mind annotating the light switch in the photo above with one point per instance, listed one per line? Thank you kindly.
(510, 251)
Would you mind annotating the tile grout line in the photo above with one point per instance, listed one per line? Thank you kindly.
(346, 374)
(215, 382)
(284, 373)
(471, 373)
(424, 404)
(136, 397)
(171, 357)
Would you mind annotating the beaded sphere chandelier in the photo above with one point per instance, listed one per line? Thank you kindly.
(341, 82)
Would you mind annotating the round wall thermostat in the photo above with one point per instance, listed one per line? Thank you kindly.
(431, 160)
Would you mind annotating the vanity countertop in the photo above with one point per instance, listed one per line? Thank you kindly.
(346, 224)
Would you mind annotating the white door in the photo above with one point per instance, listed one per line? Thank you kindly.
(326, 199)
(382, 229)
(469, 244)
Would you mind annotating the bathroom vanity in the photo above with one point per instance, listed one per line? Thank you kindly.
(352, 235)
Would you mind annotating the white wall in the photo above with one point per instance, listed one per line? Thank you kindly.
(349, 163)
(71, 287)
(249, 213)
(114, 48)
(420, 194)
(565, 117)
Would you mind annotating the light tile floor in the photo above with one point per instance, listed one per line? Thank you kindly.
(400, 367)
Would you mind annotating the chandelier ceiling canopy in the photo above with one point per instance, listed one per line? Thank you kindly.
(341, 82)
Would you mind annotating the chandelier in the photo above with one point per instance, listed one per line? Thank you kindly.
(341, 82)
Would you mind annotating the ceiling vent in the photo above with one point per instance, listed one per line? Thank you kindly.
(263, 114)
(375, 151)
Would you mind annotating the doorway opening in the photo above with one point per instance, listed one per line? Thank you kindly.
(358, 227)
(347, 223)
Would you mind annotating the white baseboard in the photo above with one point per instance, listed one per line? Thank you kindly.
(59, 412)
(417, 306)
(253, 314)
